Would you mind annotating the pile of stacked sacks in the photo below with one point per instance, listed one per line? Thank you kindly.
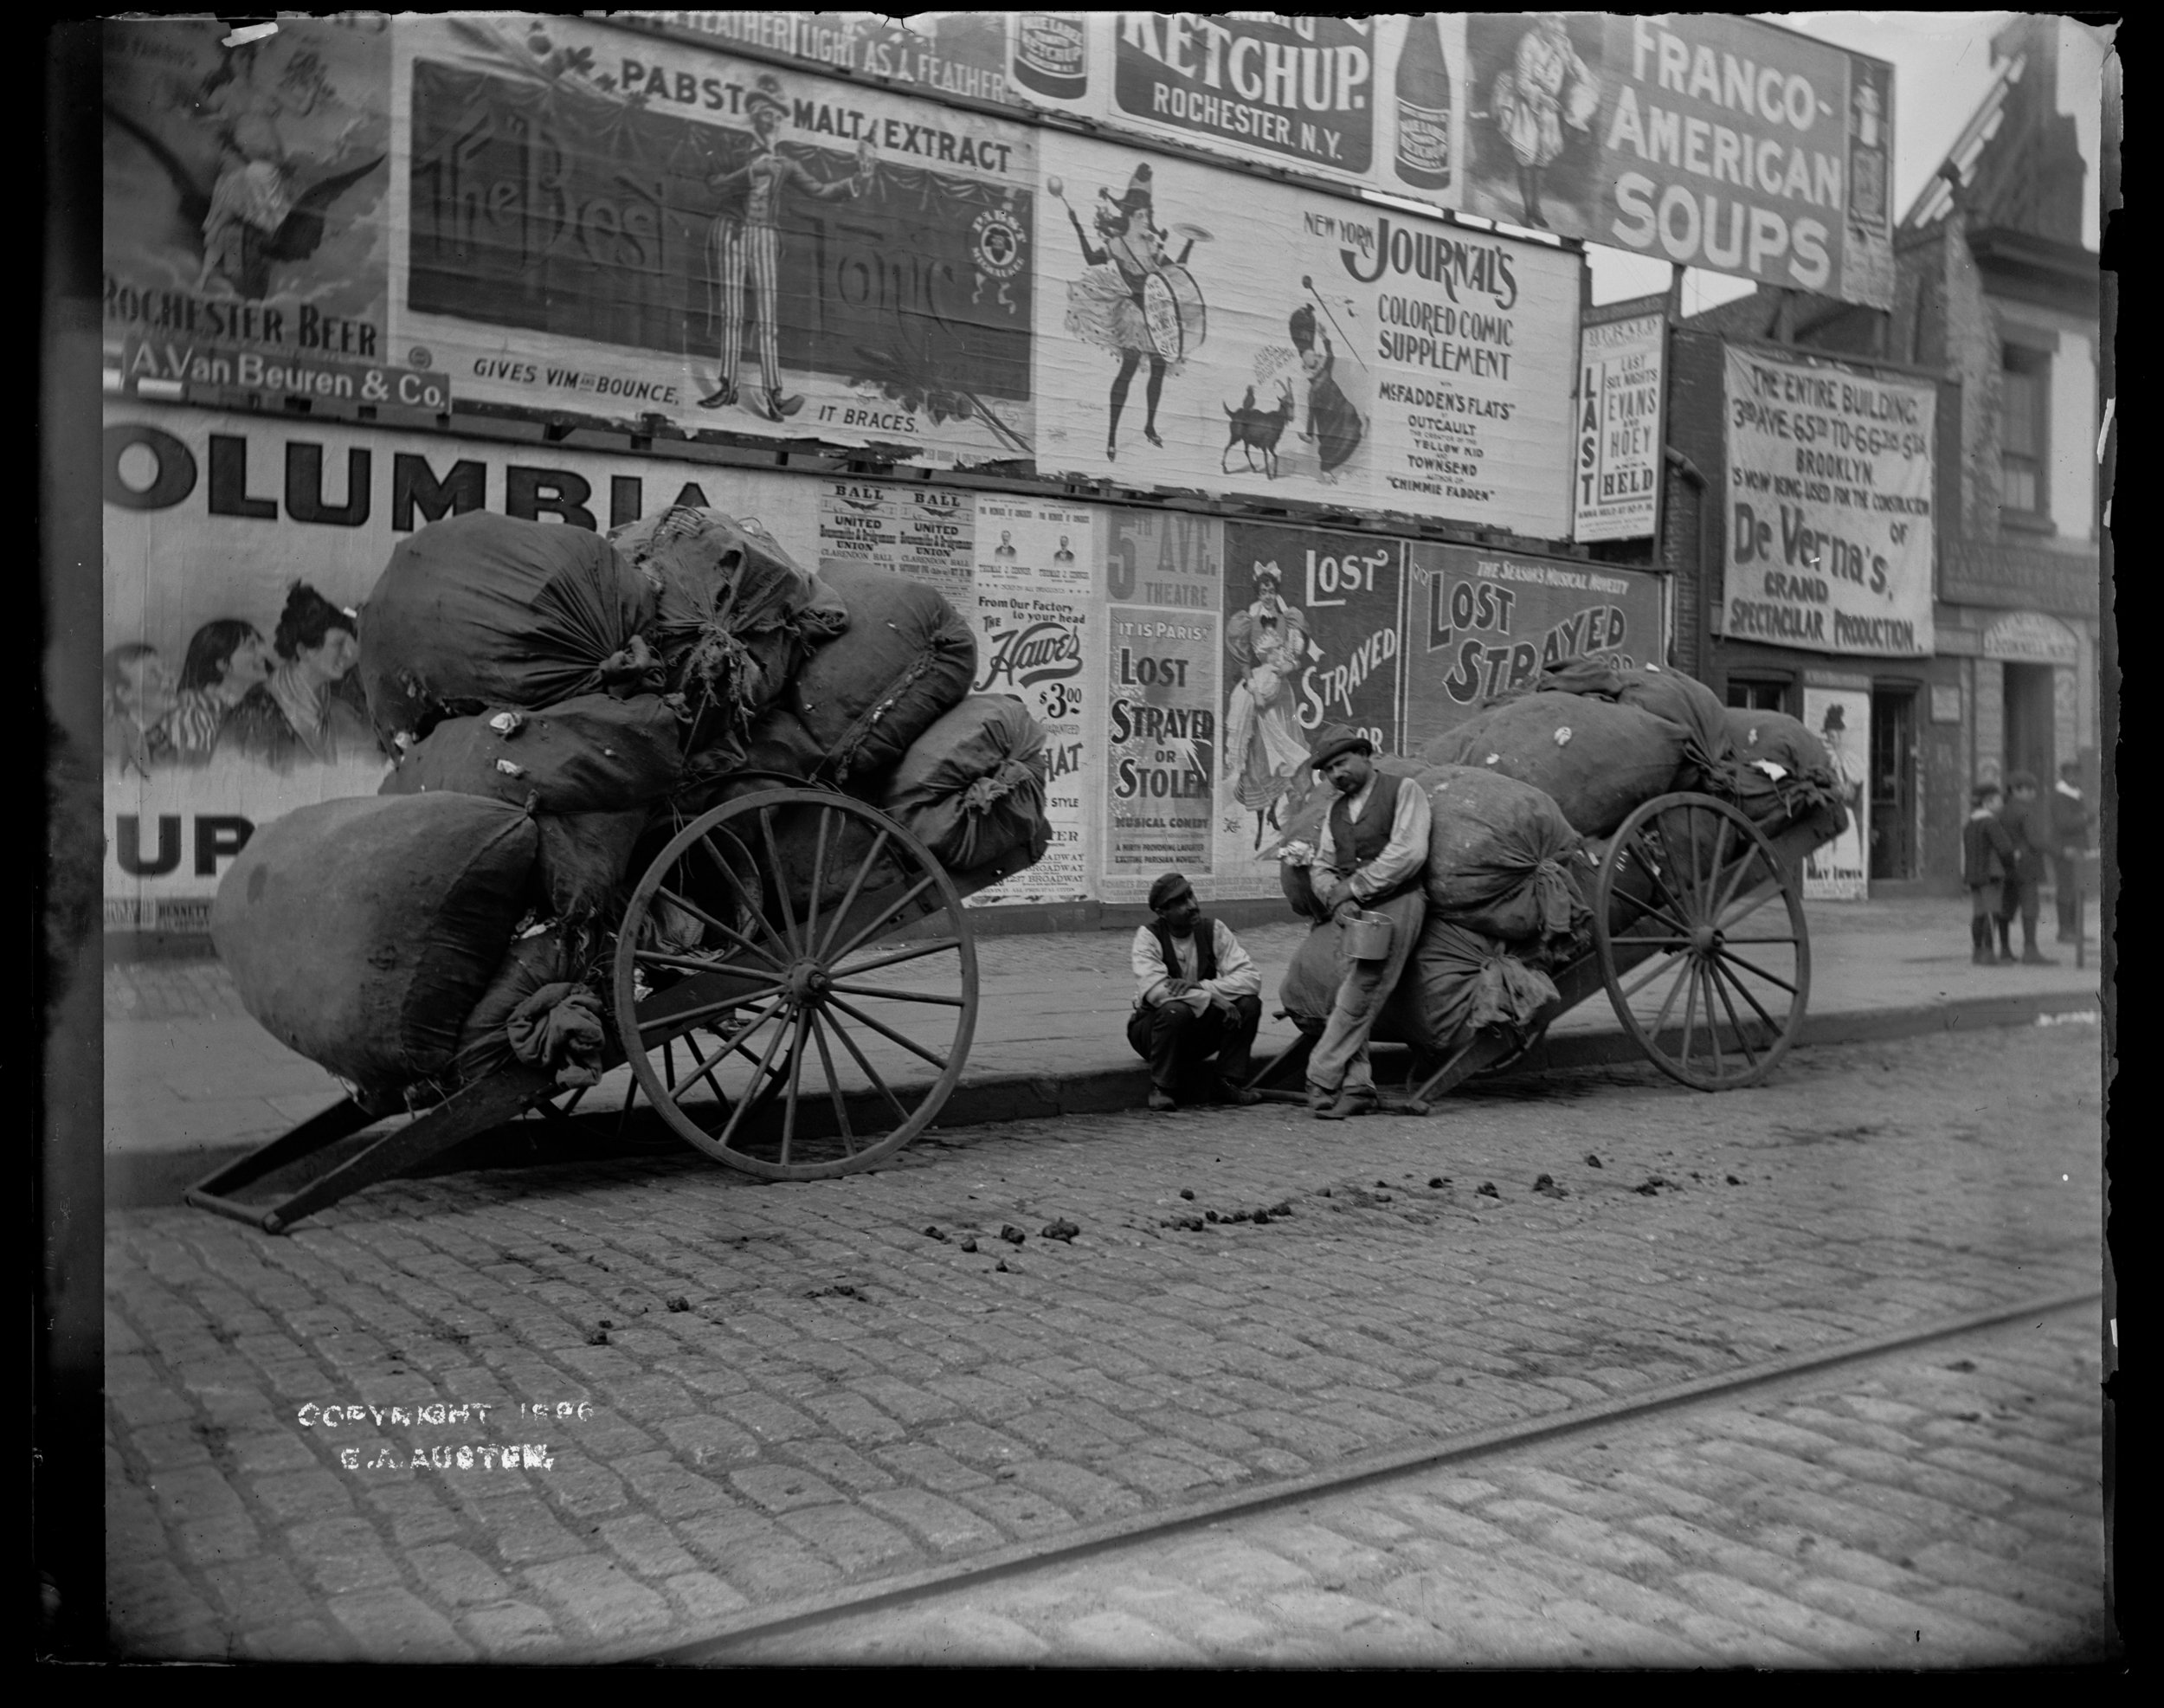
(1524, 798)
(557, 704)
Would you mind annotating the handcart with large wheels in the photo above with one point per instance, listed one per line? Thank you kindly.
(1697, 936)
(768, 1001)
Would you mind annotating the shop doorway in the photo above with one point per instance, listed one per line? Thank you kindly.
(1893, 783)
(2029, 723)
(1757, 696)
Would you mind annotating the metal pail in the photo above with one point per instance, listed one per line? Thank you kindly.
(1367, 937)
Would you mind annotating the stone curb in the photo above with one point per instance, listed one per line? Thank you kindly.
(141, 1180)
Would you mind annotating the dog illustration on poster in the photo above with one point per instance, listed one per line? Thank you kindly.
(1135, 300)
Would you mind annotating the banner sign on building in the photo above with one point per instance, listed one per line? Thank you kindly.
(1034, 613)
(1616, 483)
(1830, 507)
(1313, 621)
(1479, 622)
(950, 53)
(609, 223)
(1301, 347)
(1703, 138)
(245, 245)
(1839, 870)
(1162, 573)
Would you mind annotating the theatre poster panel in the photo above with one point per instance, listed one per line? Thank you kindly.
(1164, 572)
(1303, 347)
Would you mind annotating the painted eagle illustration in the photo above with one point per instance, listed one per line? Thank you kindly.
(250, 247)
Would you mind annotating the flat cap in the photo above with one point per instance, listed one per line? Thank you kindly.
(1333, 739)
(1167, 889)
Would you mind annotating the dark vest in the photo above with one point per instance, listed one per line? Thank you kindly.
(1205, 949)
(1353, 844)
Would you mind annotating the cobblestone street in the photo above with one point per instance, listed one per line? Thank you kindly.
(798, 1389)
(1934, 1507)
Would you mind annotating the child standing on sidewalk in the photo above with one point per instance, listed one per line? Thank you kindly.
(1988, 862)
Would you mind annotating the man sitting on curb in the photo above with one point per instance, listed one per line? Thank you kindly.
(1370, 857)
(1198, 996)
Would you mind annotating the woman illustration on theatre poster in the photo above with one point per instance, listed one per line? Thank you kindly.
(1135, 301)
(1546, 87)
(1266, 753)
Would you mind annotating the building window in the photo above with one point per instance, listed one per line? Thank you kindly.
(2025, 395)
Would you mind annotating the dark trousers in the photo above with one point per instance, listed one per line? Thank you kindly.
(2024, 896)
(2066, 877)
(1173, 1039)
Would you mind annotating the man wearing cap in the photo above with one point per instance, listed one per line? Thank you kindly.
(2071, 820)
(749, 243)
(1372, 851)
(2030, 830)
(1987, 858)
(1197, 995)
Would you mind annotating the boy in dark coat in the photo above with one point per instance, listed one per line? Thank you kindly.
(2026, 823)
(1987, 855)
(2071, 820)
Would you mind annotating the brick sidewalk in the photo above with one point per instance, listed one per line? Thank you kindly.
(189, 1076)
(799, 1387)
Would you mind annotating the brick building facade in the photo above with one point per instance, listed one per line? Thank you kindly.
(1997, 302)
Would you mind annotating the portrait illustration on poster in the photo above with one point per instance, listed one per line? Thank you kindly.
(290, 698)
(1266, 647)
(249, 174)
(1837, 871)
(1533, 134)
(1135, 298)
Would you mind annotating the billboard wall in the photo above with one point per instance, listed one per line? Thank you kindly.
(603, 222)
(1709, 139)
(1234, 336)
(1181, 664)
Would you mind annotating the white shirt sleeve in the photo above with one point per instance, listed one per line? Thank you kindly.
(1237, 974)
(1146, 955)
(1405, 852)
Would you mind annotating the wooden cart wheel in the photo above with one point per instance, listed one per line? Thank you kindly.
(761, 1015)
(1700, 931)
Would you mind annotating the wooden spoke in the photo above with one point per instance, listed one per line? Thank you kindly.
(712, 924)
(1725, 925)
(818, 876)
(916, 953)
(1712, 1026)
(886, 917)
(886, 995)
(890, 1033)
(795, 1078)
(733, 1042)
(735, 881)
(1770, 978)
(1744, 991)
(1652, 973)
(849, 898)
(685, 1019)
(870, 1072)
(1648, 911)
(623, 1115)
(656, 957)
(834, 1086)
(1735, 1021)
(737, 1115)
(1690, 1008)
(1661, 1020)
(668, 1062)
(781, 881)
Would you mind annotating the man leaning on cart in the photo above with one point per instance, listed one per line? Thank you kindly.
(1369, 861)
